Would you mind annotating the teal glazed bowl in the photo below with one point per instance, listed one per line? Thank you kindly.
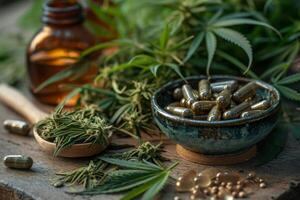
(217, 137)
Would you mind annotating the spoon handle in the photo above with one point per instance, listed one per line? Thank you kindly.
(18, 102)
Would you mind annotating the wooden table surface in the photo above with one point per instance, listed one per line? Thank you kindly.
(34, 184)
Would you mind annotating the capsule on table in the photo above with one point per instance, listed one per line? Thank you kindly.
(177, 94)
(245, 92)
(251, 113)
(18, 162)
(17, 127)
(224, 98)
(204, 89)
(180, 111)
(201, 107)
(215, 114)
(262, 105)
(188, 94)
(220, 86)
(237, 110)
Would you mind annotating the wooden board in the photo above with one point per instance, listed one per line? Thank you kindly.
(34, 184)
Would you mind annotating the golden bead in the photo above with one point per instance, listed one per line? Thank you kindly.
(221, 188)
(229, 187)
(251, 175)
(176, 198)
(206, 191)
(242, 194)
(238, 187)
(216, 182)
(234, 194)
(263, 185)
(229, 184)
(239, 182)
(202, 180)
(214, 190)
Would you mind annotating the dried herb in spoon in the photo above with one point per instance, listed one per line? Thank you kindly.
(82, 125)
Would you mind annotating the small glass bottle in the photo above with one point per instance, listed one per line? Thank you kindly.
(57, 46)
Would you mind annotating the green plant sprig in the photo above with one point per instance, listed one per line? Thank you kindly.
(82, 125)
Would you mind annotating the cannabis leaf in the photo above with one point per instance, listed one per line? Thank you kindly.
(164, 38)
(290, 79)
(194, 46)
(139, 177)
(288, 92)
(238, 39)
(236, 63)
(242, 21)
(211, 44)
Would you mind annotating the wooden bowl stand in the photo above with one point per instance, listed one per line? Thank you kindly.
(216, 160)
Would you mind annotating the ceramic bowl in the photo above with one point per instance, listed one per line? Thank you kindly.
(217, 137)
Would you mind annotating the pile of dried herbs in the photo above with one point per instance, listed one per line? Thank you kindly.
(82, 125)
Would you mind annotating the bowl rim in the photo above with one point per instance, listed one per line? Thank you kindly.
(231, 122)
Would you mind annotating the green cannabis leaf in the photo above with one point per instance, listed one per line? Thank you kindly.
(142, 177)
(288, 92)
(290, 79)
(211, 44)
(238, 39)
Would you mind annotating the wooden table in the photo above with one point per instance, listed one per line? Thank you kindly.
(281, 173)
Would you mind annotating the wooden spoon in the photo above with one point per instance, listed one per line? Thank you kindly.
(15, 100)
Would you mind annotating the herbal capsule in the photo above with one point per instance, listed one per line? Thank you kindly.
(237, 110)
(17, 126)
(200, 107)
(215, 114)
(180, 111)
(220, 86)
(204, 89)
(183, 102)
(196, 94)
(224, 98)
(251, 113)
(245, 92)
(188, 94)
(177, 94)
(262, 105)
(18, 161)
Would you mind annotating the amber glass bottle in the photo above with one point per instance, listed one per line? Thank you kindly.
(57, 46)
